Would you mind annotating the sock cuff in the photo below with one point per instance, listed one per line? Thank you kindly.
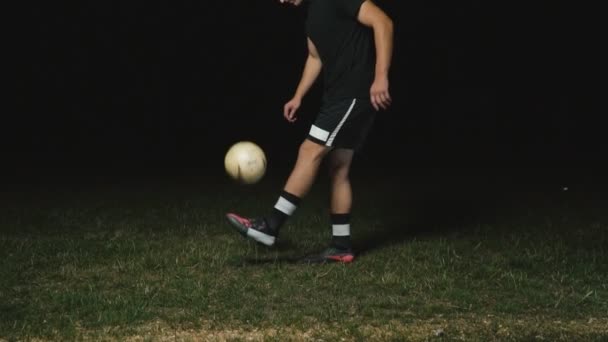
(340, 219)
(287, 203)
(295, 200)
(340, 229)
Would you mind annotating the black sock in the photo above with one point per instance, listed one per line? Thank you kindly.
(285, 206)
(340, 225)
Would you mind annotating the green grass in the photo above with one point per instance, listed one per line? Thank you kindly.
(155, 260)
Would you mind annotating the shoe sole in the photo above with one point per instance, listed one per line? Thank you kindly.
(255, 235)
(342, 259)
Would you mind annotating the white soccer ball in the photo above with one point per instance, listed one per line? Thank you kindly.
(245, 162)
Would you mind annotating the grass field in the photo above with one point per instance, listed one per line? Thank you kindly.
(443, 255)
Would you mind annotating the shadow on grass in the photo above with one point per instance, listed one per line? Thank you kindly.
(282, 246)
(285, 246)
(436, 217)
(267, 261)
(459, 203)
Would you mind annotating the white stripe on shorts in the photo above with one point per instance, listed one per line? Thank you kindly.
(285, 206)
(318, 133)
(341, 229)
(335, 132)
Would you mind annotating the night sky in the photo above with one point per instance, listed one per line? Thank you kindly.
(131, 83)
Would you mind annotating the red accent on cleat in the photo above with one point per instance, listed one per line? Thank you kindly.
(245, 222)
(347, 258)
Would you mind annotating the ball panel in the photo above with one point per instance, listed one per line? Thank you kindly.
(245, 162)
(231, 163)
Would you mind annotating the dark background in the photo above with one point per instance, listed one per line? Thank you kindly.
(121, 84)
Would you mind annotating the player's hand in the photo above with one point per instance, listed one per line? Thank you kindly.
(289, 111)
(381, 99)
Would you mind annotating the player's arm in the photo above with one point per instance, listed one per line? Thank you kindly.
(312, 68)
(372, 16)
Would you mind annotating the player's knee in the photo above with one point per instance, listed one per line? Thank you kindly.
(338, 170)
(312, 151)
(338, 174)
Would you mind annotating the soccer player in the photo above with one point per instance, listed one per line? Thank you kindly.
(350, 42)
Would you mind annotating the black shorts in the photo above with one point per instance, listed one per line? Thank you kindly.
(343, 124)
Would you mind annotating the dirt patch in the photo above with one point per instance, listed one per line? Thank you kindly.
(463, 328)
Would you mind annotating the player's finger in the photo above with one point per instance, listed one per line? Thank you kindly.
(292, 114)
(375, 102)
(380, 101)
(382, 104)
(386, 99)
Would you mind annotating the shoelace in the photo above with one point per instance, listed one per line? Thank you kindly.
(257, 223)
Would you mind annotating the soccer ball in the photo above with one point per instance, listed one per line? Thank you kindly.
(245, 162)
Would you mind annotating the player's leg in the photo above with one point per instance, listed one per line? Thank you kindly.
(266, 229)
(299, 182)
(310, 156)
(347, 138)
(341, 197)
(339, 164)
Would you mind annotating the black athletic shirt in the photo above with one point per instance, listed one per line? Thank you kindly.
(345, 46)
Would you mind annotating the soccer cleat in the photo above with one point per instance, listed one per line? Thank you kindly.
(331, 255)
(254, 228)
